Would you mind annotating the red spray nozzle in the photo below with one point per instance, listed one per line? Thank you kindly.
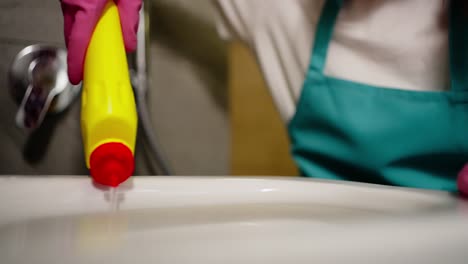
(111, 164)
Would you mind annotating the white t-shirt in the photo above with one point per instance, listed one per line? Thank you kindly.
(392, 43)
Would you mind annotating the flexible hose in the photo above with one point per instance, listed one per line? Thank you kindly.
(140, 88)
(145, 124)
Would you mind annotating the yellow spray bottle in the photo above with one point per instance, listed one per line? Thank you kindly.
(108, 114)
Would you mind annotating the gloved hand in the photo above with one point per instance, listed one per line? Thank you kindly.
(80, 19)
(463, 181)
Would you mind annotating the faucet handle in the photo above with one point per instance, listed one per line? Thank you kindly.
(39, 77)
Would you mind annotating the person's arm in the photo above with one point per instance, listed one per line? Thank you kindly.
(80, 18)
(237, 19)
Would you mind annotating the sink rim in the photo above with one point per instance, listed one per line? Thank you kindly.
(27, 197)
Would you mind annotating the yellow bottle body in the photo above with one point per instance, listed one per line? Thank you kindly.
(108, 112)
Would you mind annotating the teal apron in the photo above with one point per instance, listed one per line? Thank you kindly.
(346, 130)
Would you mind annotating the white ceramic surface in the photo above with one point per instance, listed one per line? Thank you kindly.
(226, 220)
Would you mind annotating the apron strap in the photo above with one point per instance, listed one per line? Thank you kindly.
(458, 43)
(324, 34)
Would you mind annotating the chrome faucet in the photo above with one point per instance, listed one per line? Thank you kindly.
(39, 84)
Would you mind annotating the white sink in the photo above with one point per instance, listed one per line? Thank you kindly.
(227, 220)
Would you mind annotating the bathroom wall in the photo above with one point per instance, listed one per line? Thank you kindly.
(189, 86)
(188, 95)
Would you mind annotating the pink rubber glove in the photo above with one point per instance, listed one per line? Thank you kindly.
(463, 181)
(80, 18)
